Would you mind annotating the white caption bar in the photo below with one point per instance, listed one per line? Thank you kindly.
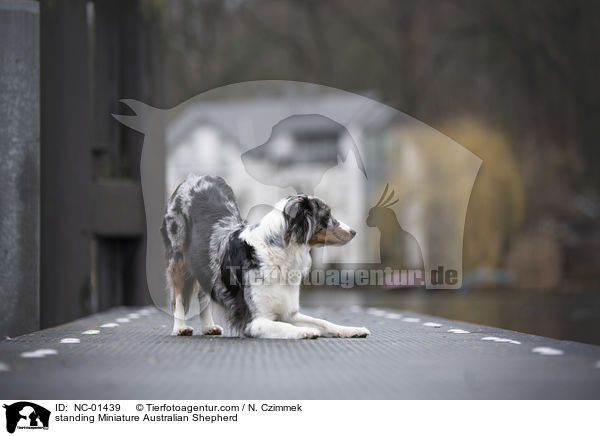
(302, 417)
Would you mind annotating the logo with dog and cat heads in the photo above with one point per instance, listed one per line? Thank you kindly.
(25, 415)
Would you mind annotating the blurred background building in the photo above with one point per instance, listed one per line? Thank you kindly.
(304, 153)
(513, 82)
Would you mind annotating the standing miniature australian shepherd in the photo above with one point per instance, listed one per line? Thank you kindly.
(252, 272)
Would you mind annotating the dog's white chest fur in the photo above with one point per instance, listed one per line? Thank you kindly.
(277, 302)
(275, 293)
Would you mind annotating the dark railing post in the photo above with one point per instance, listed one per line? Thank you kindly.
(65, 161)
(93, 53)
(19, 167)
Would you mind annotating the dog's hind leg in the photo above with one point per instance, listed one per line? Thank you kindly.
(208, 325)
(182, 289)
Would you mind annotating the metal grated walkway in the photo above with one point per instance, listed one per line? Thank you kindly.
(407, 356)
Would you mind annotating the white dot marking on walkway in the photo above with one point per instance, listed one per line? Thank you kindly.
(547, 351)
(495, 339)
(459, 331)
(38, 353)
(109, 325)
(70, 341)
(431, 324)
(91, 332)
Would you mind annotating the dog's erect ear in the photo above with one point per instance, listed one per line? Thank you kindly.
(299, 220)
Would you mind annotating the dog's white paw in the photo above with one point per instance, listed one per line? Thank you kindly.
(213, 330)
(353, 332)
(308, 333)
(183, 331)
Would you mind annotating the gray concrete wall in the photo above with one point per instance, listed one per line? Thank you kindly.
(19, 167)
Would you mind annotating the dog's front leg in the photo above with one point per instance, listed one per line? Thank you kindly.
(327, 328)
(268, 329)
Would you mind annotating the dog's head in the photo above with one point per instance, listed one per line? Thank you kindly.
(308, 220)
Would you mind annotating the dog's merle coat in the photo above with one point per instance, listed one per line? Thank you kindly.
(213, 254)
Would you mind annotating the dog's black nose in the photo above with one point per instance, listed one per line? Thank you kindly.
(353, 233)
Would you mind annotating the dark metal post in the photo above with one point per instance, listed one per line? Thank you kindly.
(19, 167)
(65, 162)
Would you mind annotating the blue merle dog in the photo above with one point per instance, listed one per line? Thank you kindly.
(252, 272)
